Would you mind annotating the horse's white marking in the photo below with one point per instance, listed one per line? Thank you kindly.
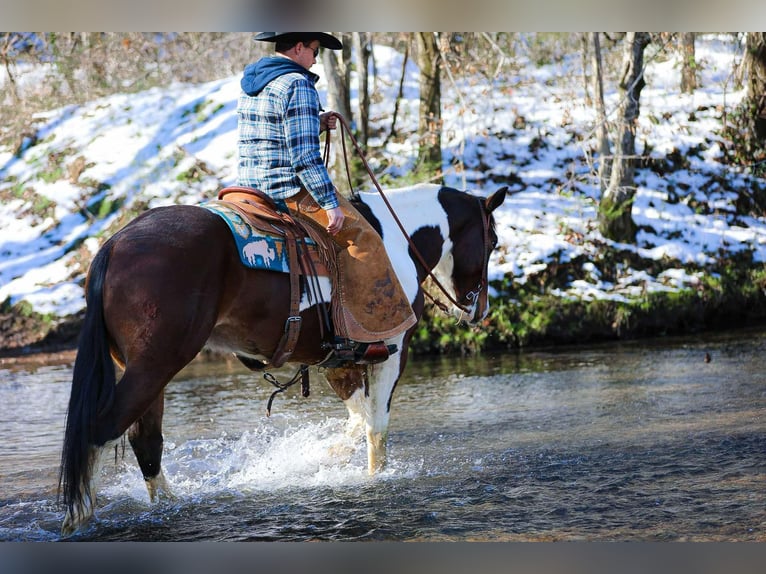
(259, 247)
(158, 488)
(371, 412)
(416, 207)
(325, 293)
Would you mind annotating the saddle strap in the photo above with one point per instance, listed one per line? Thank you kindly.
(292, 331)
(259, 209)
(255, 204)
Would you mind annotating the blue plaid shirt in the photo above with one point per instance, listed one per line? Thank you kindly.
(278, 141)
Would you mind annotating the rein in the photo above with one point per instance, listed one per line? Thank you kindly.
(472, 296)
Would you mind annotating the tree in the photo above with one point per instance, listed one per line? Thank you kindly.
(9, 48)
(745, 127)
(429, 115)
(602, 129)
(755, 58)
(363, 49)
(337, 65)
(753, 108)
(615, 208)
(688, 63)
(399, 93)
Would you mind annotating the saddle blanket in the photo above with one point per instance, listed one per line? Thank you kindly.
(257, 249)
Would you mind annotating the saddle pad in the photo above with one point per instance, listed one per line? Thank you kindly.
(257, 249)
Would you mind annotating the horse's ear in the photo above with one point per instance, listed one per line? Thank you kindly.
(496, 199)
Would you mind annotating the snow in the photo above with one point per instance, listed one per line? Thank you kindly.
(518, 130)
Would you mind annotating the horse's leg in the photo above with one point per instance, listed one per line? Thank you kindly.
(137, 397)
(377, 410)
(136, 400)
(145, 436)
(369, 403)
(154, 291)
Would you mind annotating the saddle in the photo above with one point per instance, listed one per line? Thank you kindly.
(308, 259)
(311, 253)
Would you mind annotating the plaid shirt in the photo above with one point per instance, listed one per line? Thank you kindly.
(278, 141)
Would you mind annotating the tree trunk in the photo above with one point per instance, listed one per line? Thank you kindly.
(688, 63)
(399, 94)
(615, 208)
(363, 49)
(602, 130)
(429, 115)
(8, 57)
(337, 76)
(585, 43)
(755, 65)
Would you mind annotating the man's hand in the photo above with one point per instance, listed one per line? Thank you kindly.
(327, 121)
(335, 217)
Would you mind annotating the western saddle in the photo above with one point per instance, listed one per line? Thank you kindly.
(262, 212)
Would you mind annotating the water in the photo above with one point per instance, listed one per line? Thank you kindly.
(642, 441)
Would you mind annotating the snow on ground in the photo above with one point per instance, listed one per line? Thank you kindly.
(178, 145)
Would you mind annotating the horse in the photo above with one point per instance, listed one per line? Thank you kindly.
(171, 283)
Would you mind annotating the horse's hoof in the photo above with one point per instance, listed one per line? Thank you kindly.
(68, 528)
(377, 456)
(71, 525)
(158, 488)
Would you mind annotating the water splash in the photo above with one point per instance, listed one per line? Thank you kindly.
(267, 457)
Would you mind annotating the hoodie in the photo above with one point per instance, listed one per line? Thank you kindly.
(278, 132)
(259, 74)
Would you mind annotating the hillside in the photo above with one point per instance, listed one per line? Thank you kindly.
(85, 171)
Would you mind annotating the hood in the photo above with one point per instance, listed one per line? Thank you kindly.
(259, 74)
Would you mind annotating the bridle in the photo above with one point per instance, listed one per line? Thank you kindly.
(473, 296)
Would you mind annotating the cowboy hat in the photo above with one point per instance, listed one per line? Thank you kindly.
(325, 40)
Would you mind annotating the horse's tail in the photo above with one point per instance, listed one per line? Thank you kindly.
(93, 384)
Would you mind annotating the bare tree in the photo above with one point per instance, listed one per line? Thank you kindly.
(429, 115)
(363, 49)
(8, 49)
(755, 103)
(602, 130)
(688, 63)
(615, 208)
(585, 42)
(338, 73)
(399, 93)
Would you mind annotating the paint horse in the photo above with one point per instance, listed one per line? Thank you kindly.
(171, 282)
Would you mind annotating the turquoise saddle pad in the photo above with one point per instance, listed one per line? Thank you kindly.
(256, 249)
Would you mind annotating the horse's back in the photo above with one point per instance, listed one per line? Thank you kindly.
(173, 243)
(169, 225)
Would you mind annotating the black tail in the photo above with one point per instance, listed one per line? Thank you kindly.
(93, 383)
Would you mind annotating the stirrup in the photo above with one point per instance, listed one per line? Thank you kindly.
(373, 353)
(346, 350)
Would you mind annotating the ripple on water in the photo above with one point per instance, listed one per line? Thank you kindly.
(630, 442)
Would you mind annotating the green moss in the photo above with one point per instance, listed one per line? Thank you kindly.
(42, 206)
(104, 206)
(735, 295)
(52, 174)
(17, 190)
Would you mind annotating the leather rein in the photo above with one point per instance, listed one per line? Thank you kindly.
(471, 296)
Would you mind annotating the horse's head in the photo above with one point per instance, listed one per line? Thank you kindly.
(473, 237)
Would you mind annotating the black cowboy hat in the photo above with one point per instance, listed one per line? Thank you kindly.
(325, 40)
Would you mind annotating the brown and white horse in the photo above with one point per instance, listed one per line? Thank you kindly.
(171, 282)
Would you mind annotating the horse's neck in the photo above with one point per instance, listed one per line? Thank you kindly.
(421, 214)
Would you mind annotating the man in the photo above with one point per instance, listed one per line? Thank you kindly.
(279, 154)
